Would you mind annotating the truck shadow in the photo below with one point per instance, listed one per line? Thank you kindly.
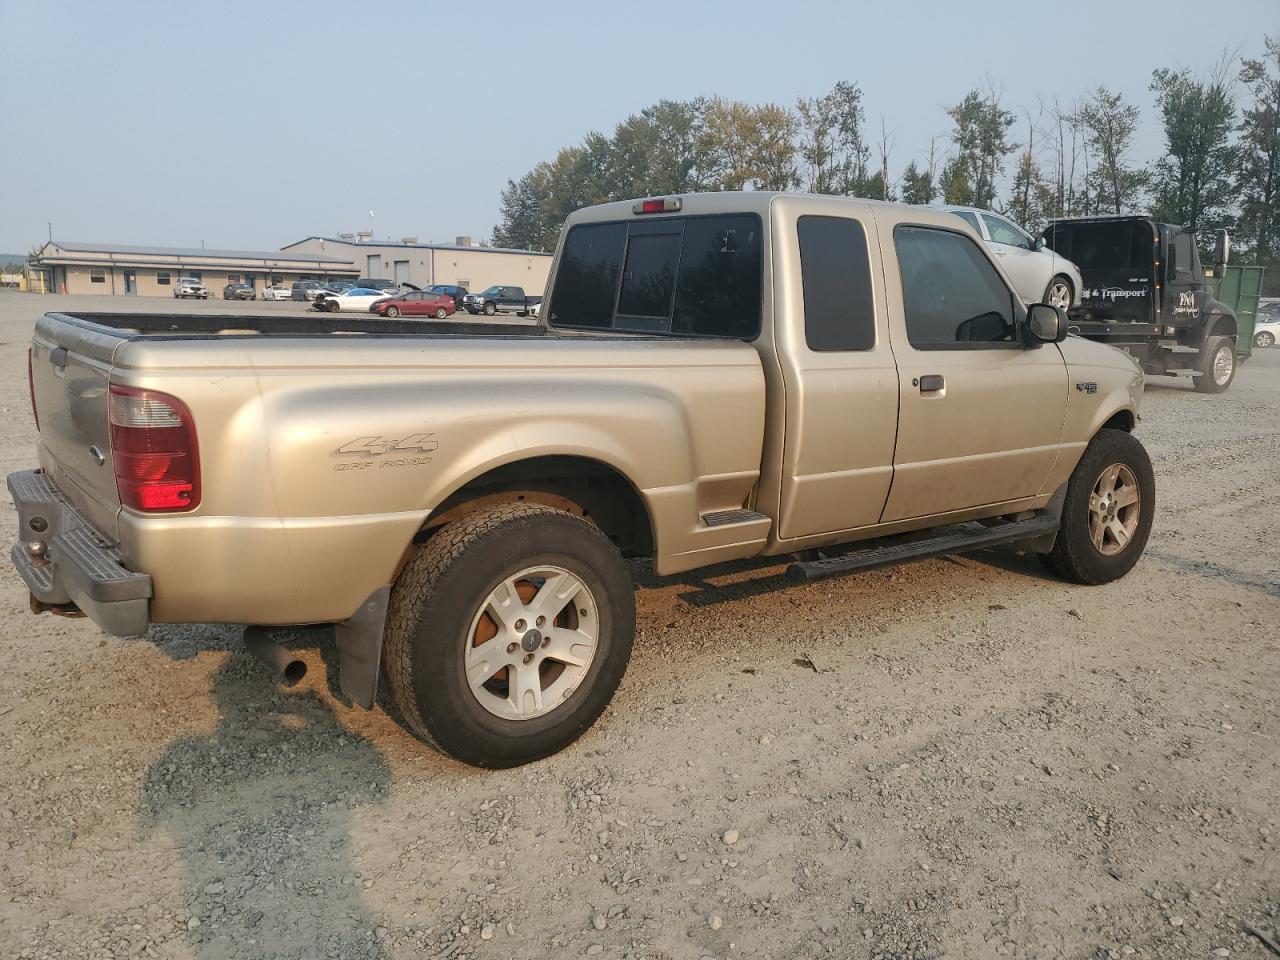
(260, 811)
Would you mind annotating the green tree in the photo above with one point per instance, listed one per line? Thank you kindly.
(749, 147)
(954, 182)
(917, 185)
(1032, 198)
(981, 140)
(1192, 182)
(831, 144)
(1258, 167)
(1109, 125)
(657, 151)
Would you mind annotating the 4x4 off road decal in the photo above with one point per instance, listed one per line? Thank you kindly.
(373, 451)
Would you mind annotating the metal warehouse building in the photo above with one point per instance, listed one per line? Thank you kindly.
(151, 271)
(424, 264)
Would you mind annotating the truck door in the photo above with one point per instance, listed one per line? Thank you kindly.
(839, 376)
(980, 419)
(1184, 293)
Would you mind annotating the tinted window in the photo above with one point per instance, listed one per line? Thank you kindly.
(587, 279)
(649, 278)
(1184, 256)
(1002, 231)
(718, 294)
(970, 218)
(950, 291)
(1104, 246)
(836, 274)
(694, 276)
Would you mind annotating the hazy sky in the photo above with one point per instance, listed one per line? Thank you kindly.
(255, 124)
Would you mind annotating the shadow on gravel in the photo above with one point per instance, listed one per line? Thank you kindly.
(1216, 571)
(261, 812)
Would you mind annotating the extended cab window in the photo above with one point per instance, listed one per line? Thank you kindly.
(691, 276)
(836, 277)
(951, 293)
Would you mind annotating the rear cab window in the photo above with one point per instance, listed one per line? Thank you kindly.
(695, 276)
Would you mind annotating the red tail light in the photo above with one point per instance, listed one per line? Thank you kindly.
(31, 386)
(153, 441)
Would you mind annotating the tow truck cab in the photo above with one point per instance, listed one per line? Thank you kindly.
(1145, 291)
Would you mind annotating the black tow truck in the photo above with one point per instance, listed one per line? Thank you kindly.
(1145, 292)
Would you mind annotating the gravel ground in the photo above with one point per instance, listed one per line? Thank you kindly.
(959, 758)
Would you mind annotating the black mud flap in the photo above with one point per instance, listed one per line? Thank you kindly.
(359, 642)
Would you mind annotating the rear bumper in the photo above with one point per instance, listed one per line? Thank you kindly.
(78, 566)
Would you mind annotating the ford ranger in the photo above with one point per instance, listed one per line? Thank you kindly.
(844, 383)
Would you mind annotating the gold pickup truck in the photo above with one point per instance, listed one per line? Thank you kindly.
(846, 383)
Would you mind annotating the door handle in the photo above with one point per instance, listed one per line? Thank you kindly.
(932, 383)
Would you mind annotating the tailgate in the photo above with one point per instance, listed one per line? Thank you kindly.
(70, 367)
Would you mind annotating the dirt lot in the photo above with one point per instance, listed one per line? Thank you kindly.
(960, 758)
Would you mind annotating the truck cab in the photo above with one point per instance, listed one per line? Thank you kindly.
(1145, 292)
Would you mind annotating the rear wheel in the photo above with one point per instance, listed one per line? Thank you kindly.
(1059, 292)
(1219, 367)
(393, 311)
(1265, 338)
(508, 634)
(441, 313)
(1107, 513)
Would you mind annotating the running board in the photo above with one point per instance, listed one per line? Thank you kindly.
(956, 538)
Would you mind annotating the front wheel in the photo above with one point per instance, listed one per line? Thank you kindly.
(1107, 513)
(1059, 293)
(1219, 367)
(332, 306)
(490, 309)
(508, 634)
(393, 312)
(1264, 338)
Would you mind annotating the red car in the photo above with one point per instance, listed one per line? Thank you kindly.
(416, 303)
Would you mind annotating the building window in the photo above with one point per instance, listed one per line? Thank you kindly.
(276, 281)
(97, 276)
(162, 278)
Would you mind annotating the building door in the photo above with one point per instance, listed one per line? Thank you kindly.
(401, 271)
(373, 266)
(130, 283)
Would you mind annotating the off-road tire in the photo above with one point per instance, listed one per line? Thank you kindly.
(439, 592)
(1205, 383)
(1074, 557)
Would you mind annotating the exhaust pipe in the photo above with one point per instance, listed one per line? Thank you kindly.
(276, 658)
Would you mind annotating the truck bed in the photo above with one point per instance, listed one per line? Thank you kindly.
(195, 326)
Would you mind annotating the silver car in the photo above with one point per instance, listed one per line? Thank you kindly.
(1266, 329)
(1038, 274)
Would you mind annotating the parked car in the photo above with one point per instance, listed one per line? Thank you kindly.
(1039, 274)
(357, 299)
(415, 303)
(305, 289)
(337, 286)
(535, 310)
(277, 292)
(499, 299)
(239, 291)
(460, 506)
(189, 288)
(452, 289)
(1266, 326)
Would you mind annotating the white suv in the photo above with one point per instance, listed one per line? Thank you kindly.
(1038, 274)
(190, 288)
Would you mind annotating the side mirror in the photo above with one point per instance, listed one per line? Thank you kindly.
(1221, 248)
(1039, 244)
(1047, 323)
